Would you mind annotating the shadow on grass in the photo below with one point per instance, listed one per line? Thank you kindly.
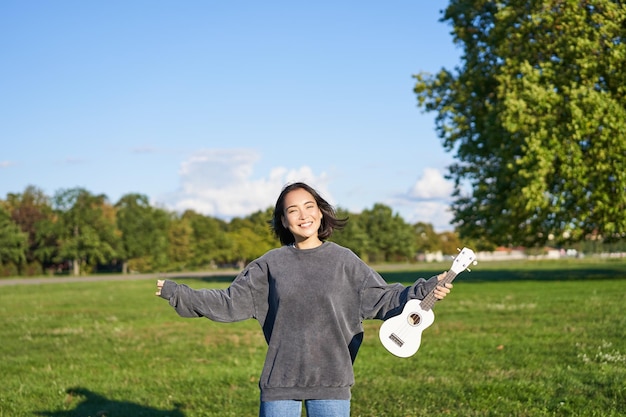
(95, 405)
(478, 275)
(525, 274)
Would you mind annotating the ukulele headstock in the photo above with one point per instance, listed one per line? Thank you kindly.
(463, 260)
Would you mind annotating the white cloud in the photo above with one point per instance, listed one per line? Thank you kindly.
(220, 183)
(427, 201)
(223, 183)
(431, 186)
(6, 164)
(434, 212)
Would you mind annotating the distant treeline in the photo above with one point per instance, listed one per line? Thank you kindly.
(77, 232)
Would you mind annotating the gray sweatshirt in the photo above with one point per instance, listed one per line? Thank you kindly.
(310, 304)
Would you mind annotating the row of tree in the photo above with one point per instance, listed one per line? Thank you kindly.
(77, 232)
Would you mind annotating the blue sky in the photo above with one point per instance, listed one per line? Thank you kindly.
(214, 106)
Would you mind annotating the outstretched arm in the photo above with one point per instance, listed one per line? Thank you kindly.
(234, 303)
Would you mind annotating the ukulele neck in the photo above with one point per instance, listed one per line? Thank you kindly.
(429, 301)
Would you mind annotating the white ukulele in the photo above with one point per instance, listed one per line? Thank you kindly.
(402, 334)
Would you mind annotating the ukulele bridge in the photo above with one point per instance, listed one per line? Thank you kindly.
(395, 339)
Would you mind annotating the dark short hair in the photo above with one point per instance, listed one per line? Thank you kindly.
(329, 223)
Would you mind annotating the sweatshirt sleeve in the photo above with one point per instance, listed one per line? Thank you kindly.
(234, 303)
(381, 300)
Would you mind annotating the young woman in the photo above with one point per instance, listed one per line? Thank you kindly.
(310, 297)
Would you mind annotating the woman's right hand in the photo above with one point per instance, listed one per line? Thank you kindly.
(159, 286)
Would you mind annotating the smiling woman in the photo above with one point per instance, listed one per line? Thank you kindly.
(311, 351)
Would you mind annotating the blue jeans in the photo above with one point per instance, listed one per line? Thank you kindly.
(314, 408)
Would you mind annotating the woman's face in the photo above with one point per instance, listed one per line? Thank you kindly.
(302, 217)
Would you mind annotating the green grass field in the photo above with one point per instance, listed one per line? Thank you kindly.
(513, 339)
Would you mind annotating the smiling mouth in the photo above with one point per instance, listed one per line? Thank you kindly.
(307, 224)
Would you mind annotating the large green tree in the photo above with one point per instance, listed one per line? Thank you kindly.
(536, 114)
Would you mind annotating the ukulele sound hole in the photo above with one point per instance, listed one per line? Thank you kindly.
(414, 319)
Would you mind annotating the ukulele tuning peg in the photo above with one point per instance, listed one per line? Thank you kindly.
(468, 270)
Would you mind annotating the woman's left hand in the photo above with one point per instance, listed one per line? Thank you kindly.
(442, 289)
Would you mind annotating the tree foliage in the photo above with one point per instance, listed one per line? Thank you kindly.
(86, 228)
(210, 243)
(426, 239)
(13, 242)
(180, 236)
(136, 224)
(78, 232)
(28, 210)
(353, 235)
(390, 237)
(536, 115)
(252, 236)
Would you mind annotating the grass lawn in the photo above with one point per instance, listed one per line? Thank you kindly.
(513, 339)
